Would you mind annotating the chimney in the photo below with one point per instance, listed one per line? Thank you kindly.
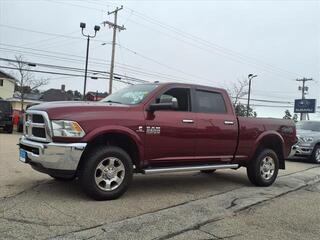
(63, 88)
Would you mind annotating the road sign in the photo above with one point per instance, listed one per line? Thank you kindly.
(305, 105)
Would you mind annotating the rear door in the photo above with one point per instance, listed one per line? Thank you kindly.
(217, 129)
(170, 133)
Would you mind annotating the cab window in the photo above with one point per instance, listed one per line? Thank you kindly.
(181, 95)
(210, 102)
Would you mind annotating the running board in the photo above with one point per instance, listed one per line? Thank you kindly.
(190, 168)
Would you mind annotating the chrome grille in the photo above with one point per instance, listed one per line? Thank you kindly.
(37, 126)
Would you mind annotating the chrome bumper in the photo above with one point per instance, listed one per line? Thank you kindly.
(59, 156)
(297, 150)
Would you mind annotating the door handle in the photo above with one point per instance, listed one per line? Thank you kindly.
(229, 122)
(187, 121)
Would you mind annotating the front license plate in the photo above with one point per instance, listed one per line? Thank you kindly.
(23, 156)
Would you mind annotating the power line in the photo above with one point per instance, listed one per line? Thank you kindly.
(206, 42)
(265, 100)
(62, 74)
(41, 32)
(76, 5)
(101, 62)
(164, 65)
(75, 69)
(95, 72)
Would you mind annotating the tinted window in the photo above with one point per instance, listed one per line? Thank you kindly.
(1, 82)
(210, 102)
(181, 95)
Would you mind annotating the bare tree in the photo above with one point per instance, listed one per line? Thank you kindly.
(237, 91)
(25, 78)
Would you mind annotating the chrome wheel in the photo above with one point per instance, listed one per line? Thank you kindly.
(267, 168)
(317, 155)
(109, 174)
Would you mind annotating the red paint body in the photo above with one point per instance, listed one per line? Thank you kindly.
(207, 140)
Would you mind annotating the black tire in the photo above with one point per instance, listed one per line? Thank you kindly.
(208, 171)
(62, 179)
(89, 170)
(256, 175)
(315, 157)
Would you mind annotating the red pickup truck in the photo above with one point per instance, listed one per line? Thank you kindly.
(151, 128)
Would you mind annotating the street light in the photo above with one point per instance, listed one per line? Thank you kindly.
(96, 29)
(250, 76)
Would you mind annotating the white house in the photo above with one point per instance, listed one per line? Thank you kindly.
(7, 83)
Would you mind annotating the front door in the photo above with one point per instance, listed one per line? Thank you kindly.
(170, 133)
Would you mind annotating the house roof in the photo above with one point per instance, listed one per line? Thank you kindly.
(7, 76)
(97, 94)
(56, 95)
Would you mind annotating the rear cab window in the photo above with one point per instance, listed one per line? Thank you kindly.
(210, 102)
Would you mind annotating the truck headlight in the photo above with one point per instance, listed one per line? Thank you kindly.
(64, 128)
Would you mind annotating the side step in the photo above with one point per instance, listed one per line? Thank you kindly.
(190, 168)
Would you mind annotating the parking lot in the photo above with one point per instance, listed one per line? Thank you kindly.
(178, 206)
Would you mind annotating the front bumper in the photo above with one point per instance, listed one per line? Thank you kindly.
(48, 157)
(301, 150)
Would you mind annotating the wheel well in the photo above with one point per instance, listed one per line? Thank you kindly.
(114, 139)
(274, 143)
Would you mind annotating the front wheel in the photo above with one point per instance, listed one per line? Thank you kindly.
(106, 174)
(263, 170)
(316, 154)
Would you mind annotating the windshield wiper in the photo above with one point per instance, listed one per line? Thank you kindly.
(111, 101)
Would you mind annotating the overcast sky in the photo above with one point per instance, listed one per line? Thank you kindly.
(214, 43)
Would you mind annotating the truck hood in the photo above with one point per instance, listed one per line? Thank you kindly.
(69, 110)
(308, 133)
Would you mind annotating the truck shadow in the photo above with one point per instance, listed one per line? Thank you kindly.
(160, 184)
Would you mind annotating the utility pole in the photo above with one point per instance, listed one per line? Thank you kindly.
(303, 89)
(115, 28)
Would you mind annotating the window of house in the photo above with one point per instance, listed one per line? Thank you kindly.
(1, 82)
(210, 102)
(181, 94)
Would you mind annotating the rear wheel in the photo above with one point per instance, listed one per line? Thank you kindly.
(316, 154)
(208, 171)
(263, 170)
(107, 173)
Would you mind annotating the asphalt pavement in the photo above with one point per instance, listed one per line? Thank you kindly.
(164, 206)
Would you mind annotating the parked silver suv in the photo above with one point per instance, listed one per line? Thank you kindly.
(308, 145)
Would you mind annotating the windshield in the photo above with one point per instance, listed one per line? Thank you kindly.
(132, 95)
(308, 125)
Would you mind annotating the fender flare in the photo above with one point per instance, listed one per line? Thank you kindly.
(264, 135)
(116, 129)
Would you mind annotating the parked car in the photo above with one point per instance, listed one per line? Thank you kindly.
(6, 116)
(151, 128)
(308, 145)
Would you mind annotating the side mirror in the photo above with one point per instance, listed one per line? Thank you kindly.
(173, 104)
